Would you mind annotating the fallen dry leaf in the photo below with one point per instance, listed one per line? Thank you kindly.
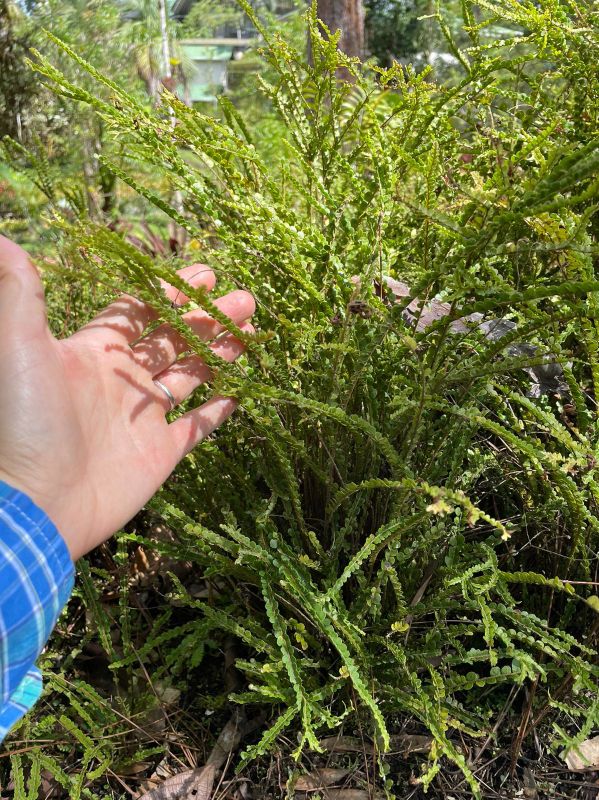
(229, 740)
(135, 769)
(345, 744)
(403, 743)
(320, 778)
(350, 794)
(344, 794)
(585, 756)
(195, 784)
(530, 784)
(406, 743)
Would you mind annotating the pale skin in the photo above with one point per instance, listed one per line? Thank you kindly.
(83, 427)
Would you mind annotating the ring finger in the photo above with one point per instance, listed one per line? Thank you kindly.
(182, 378)
(160, 348)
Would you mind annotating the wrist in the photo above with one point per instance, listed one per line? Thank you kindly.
(44, 504)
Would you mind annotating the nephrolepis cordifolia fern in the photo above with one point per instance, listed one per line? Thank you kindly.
(412, 522)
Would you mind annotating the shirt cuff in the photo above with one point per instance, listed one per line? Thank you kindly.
(21, 700)
(36, 580)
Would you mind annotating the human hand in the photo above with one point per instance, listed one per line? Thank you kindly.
(82, 424)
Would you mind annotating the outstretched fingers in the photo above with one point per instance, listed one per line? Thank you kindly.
(190, 429)
(194, 426)
(128, 317)
(159, 349)
(183, 377)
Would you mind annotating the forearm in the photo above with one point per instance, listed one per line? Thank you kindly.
(36, 578)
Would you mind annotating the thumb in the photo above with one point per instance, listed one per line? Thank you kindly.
(22, 303)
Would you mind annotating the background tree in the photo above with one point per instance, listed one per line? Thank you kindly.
(17, 83)
(394, 30)
(347, 16)
(208, 17)
(62, 140)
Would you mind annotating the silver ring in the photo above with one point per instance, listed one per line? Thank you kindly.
(168, 393)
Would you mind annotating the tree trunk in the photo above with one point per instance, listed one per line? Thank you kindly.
(166, 55)
(348, 16)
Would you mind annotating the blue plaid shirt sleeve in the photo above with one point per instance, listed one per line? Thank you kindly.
(36, 579)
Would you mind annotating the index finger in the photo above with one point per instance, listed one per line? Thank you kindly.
(129, 317)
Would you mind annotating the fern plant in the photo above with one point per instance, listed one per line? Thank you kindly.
(395, 525)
